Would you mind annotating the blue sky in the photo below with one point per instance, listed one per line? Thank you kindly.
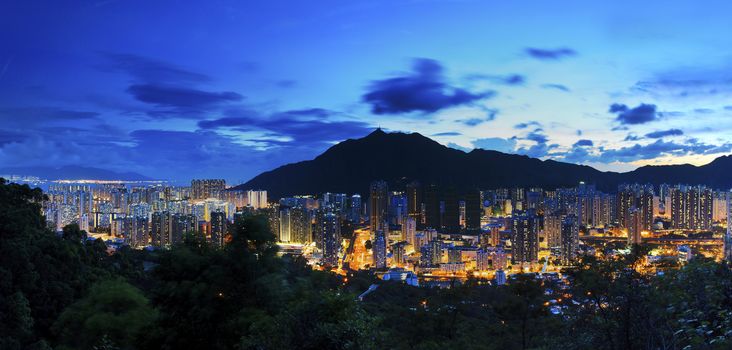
(184, 89)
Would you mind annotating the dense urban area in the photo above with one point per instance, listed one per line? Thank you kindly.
(108, 264)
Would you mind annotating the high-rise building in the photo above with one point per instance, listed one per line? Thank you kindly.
(635, 226)
(301, 226)
(356, 208)
(500, 277)
(257, 199)
(379, 250)
(182, 225)
(639, 197)
(136, 231)
(218, 228)
(525, 237)
(409, 229)
(570, 238)
(691, 207)
(207, 188)
(727, 247)
(431, 253)
(161, 228)
(719, 206)
(414, 201)
(398, 253)
(285, 235)
(329, 232)
(378, 204)
(553, 229)
(454, 255)
(473, 211)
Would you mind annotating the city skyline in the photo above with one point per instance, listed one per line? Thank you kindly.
(229, 90)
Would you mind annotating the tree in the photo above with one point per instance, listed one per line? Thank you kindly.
(114, 313)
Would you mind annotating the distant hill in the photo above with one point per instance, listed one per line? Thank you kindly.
(73, 173)
(398, 158)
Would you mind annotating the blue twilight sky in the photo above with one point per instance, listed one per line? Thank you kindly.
(183, 89)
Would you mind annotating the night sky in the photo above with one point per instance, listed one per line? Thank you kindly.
(187, 89)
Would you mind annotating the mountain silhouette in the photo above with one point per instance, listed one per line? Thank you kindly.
(398, 158)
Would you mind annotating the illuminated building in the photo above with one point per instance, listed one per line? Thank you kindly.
(329, 232)
(431, 253)
(181, 225)
(727, 243)
(634, 226)
(378, 204)
(300, 226)
(414, 201)
(409, 229)
(356, 209)
(639, 197)
(483, 260)
(398, 253)
(218, 228)
(257, 199)
(397, 208)
(284, 231)
(719, 207)
(500, 277)
(208, 188)
(553, 229)
(161, 228)
(454, 255)
(691, 207)
(570, 238)
(525, 237)
(136, 231)
(379, 250)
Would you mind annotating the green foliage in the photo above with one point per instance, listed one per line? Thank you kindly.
(113, 314)
(40, 272)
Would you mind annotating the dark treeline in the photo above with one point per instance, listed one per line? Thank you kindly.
(67, 292)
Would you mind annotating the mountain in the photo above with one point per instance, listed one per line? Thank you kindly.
(73, 173)
(398, 158)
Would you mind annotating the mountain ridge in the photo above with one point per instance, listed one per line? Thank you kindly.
(349, 166)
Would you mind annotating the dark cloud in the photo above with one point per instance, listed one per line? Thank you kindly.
(619, 128)
(299, 126)
(496, 144)
(286, 83)
(664, 133)
(639, 151)
(541, 148)
(550, 54)
(423, 90)
(690, 81)
(641, 114)
(728, 108)
(559, 87)
(150, 70)
(525, 125)
(583, 143)
(537, 136)
(704, 110)
(472, 121)
(510, 79)
(170, 96)
(632, 137)
(26, 116)
(447, 133)
(10, 136)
